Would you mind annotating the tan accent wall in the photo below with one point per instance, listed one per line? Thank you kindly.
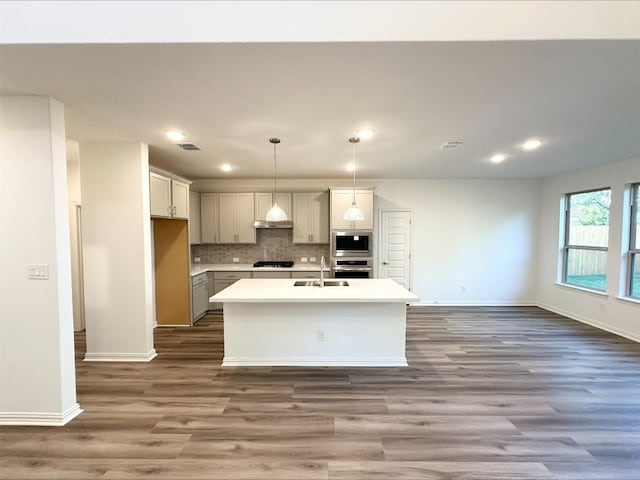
(171, 248)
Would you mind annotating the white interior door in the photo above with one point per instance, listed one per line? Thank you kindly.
(395, 246)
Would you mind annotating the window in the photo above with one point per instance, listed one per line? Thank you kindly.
(633, 283)
(586, 239)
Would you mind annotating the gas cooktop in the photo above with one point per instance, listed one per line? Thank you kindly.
(279, 264)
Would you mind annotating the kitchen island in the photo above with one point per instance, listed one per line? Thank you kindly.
(273, 322)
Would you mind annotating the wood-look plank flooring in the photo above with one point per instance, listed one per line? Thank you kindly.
(490, 393)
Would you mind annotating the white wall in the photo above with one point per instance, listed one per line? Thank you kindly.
(37, 365)
(116, 231)
(473, 240)
(604, 311)
(476, 234)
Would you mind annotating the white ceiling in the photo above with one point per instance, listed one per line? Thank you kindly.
(579, 96)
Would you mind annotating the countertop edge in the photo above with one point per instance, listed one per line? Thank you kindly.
(197, 269)
(317, 300)
(283, 291)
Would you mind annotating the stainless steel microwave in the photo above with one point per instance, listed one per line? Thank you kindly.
(352, 244)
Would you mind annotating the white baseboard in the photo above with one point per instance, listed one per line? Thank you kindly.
(121, 357)
(314, 362)
(40, 418)
(602, 326)
(476, 304)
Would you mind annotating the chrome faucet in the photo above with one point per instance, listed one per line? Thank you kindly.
(322, 271)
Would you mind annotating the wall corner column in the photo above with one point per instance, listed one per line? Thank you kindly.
(117, 251)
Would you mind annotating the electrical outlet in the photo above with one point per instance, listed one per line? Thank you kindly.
(313, 259)
(236, 260)
(196, 259)
(320, 336)
(303, 259)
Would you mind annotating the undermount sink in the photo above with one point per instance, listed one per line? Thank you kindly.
(316, 283)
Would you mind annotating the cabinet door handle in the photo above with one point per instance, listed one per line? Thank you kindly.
(175, 210)
(385, 263)
(169, 210)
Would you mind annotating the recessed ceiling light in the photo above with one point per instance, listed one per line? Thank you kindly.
(365, 133)
(531, 144)
(498, 158)
(174, 135)
(225, 168)
(350, 167)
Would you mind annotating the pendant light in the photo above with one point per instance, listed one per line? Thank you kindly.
(275, 213)
(353, 213)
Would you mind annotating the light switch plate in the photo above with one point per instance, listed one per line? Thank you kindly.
(38, 271)
(303, 259)
(196, 259)
(236, 260)
(313, 259)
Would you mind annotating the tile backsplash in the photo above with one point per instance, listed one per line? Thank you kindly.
(271, 244)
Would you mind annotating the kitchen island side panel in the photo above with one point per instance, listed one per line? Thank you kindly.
(315, 334)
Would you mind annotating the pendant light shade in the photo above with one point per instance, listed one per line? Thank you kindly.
(353, 213)
(275, 213)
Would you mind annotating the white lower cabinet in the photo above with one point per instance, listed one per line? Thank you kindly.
(310, 274)
(199, 296)
(271, 275)
(212, 289)
(222, 280)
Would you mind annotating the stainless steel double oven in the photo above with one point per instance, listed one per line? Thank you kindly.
(352, 254)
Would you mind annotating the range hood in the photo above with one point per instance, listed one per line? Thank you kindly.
(266, 224)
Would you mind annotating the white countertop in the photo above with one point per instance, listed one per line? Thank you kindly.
(197, 268)
(282, 290)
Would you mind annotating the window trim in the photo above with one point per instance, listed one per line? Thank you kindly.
(566, 246)
(633, 253)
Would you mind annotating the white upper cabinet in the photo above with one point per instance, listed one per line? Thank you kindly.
(194, 218)
(264, 201)
(169, 198)
(342, 199)
(311, 217)
(236, 217)
(180, 199)
(160, 195)
(245, 216)
(209, 215)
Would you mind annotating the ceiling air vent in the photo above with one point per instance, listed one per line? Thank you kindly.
(451, 144)
(188, 146)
